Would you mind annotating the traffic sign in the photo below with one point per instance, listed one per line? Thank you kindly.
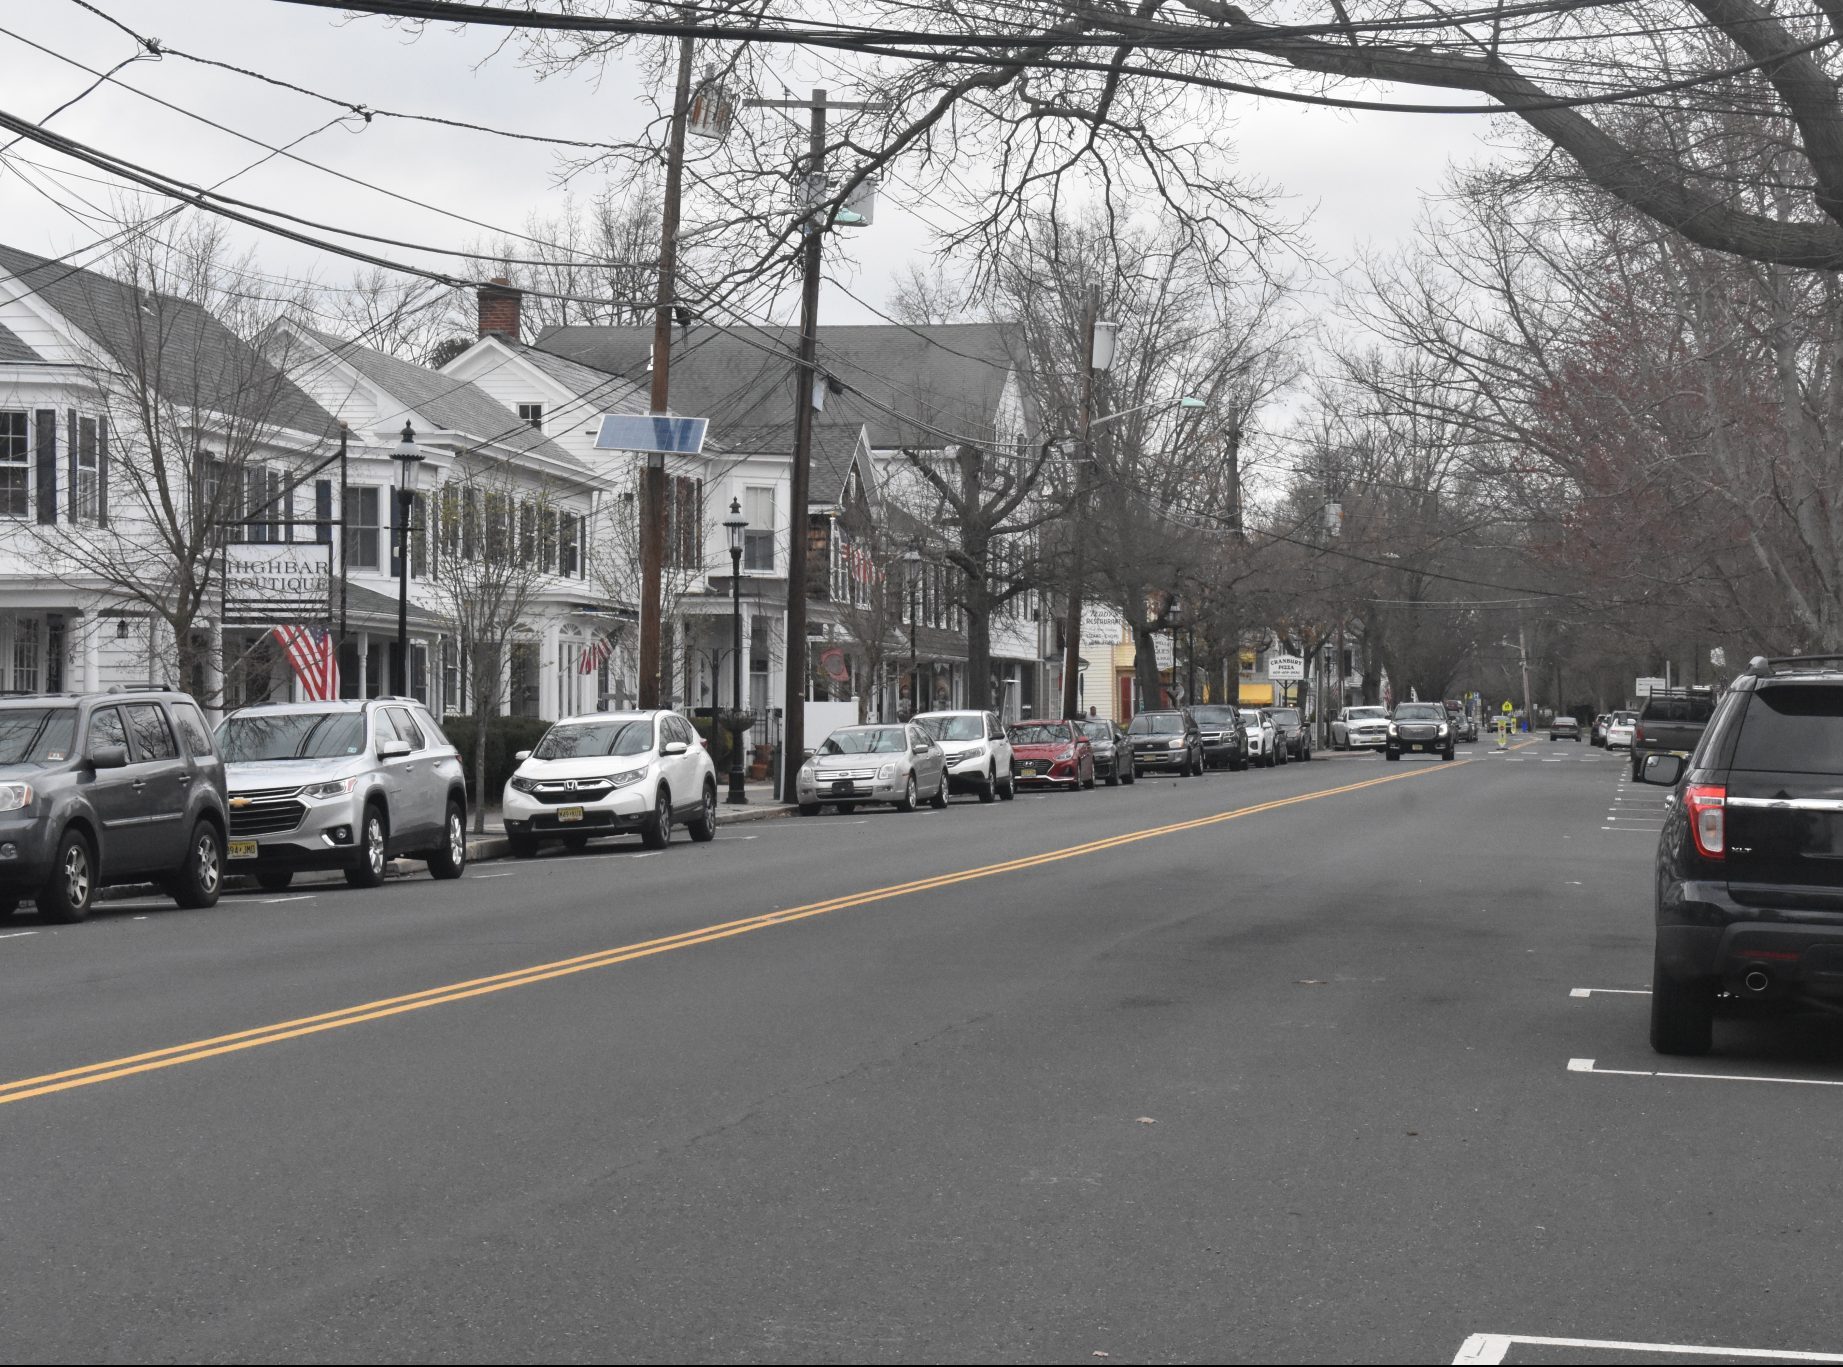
(1507, 709)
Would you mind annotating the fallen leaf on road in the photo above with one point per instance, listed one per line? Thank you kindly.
(1310, 982)
(1147, 1120)
(1097, 1353)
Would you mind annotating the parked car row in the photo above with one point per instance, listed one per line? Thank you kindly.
(131, 786)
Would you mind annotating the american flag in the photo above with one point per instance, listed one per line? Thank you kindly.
(594, 656)
(315, 657)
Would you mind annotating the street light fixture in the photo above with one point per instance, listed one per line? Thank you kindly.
(736, 524)
(409, 455)
(912, 561)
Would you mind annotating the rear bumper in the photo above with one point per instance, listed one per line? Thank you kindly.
(1704, 933)
(1162, 759)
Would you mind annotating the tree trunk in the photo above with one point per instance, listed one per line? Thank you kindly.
(1145, 667)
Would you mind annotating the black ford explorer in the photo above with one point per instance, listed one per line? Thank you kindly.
(1750, 862)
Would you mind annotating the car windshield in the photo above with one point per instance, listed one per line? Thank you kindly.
(1213, 714)
(1420, 711)
(1366, 714)
(594, 739)
(1251, 715)
(1624, 718)
(1285, 716)
(37, 735)
(1156, 724)
(261, 737)
(964, 727)
(1039, 733)
(870, 740)
(1098, 730)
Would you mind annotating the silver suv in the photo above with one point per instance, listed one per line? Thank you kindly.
(342, 785)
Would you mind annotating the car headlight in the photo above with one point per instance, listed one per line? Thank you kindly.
(15, 797)
(519, 783)
(1177, 744)
(1392, 730)
(887, 772)
(337, 788)
(1443, 728)
(632, 776)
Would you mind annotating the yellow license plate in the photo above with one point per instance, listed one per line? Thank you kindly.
(569, 814)
(243, 849)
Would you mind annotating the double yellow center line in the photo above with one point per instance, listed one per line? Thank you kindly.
(195, 1051)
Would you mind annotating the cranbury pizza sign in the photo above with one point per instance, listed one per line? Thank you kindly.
(265, 585)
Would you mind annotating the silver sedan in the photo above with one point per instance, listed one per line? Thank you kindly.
(897, 764)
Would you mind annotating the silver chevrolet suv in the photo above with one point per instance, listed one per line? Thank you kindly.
(342, 785)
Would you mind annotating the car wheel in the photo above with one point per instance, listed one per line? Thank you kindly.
(1089, 781)
(373, 860)
(656, 834)
(575, 843)
(846, 808)
(450, 860)
(274, 880)
(988, 791)
(523, 844)
(1009, 792)
(939, 800)
(1682, 1013)
(8, 905)
(703, 826)
(809, 809)
(201, 878)
(909, 800)
(1446, 754)
(65, 898)
(1127, 775)
(1391, 755)
(1113, 776)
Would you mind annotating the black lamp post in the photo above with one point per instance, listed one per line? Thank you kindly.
(912, 561)
(736, 525)
(411, 457)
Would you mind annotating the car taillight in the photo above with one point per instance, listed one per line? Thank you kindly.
(1638, 734)
(1707, 805)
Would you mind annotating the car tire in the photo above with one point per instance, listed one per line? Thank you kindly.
(910, 798)
(1682, 1014)
(939, 801)
(70, 887)
(1009, 792)
(575, 843)
(274, 880)
(522, 844)
(373, 851)
(200, 879)
(810, 809)
(449, 859)
(8, 906)
(1446, 754)
(1391, 756)
(1113, 777)
(656, 834)
(988, 791)
(703, 827)
(846, 808)
(1088, 782)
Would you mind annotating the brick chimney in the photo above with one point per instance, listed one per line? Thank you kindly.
(499, 308)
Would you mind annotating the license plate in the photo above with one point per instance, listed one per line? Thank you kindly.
(842, 785)
(243, 849)
(569, 814)
(1027, 771)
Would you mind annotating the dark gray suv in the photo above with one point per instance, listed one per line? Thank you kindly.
(114, 787)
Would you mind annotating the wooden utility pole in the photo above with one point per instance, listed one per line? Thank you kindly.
(653, 503)
(1071, 653)
(806, 378)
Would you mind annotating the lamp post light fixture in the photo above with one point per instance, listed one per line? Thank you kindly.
(736, 524)
(912, 562)
(410, 455)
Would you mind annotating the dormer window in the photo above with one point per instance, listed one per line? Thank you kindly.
(532, 413)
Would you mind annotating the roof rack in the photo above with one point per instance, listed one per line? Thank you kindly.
(1762, 665)
(139, 688)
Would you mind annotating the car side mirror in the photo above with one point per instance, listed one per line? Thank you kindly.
(673, 747)
(109, 757)
(1663, 770)
(811, 750)
(521, 756)
(920, 748)
(393, 749)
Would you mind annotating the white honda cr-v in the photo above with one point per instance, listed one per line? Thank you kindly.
(610, 773)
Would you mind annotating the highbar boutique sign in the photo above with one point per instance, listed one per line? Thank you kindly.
(269, 584)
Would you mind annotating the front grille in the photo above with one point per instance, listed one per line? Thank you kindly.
(267, 818)
(833, 775)
(586, 790)
(264, 794)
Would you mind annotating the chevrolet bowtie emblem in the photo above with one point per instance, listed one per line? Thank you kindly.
(239, 802)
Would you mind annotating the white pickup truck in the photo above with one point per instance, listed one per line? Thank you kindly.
(1360, 728)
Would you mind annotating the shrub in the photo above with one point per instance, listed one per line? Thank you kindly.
(505, 737)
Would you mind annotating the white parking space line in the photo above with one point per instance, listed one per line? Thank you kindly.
(1586, 1065)
(1635, 830)
(301, 897)
(509, 873)
(1610, 991)
(1492, 1348)
(17, 934)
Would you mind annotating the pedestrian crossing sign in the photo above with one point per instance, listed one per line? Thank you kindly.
(1507, 709)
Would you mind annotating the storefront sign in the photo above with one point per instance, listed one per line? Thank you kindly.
(267, 585)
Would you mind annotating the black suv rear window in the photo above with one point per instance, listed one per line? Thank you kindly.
(1695, 707)
(1795, 730)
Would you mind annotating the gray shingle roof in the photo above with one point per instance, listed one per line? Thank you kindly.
(919, 387)
(12, 349)
(597, 385)
(834, 444)
(192, 359)
(453, 405)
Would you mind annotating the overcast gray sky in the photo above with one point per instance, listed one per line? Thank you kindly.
(1361, 175)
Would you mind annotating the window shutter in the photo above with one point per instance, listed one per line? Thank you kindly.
(102, 472)
(45, 426)
(323, 511)
(70, 454)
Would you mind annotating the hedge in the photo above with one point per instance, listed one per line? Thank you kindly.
(505, 737)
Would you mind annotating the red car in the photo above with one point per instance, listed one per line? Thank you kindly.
(1053, 753)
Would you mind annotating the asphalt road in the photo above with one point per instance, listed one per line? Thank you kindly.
(1280, 1066)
